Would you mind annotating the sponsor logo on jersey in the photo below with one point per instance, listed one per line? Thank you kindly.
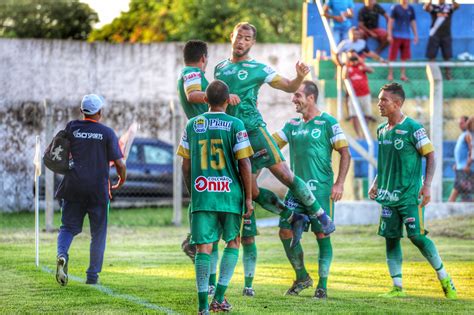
(292, 203)
(420, 134)
(294, 122)
(400, 132)
(217, 124)
(312, 184)
(249, 65)
(299, 132)
(242, 136)
(384, 194)
(213, 184)
(200, 124)
(192, 75)
(336, 129)
(409, 220)
(247, 221)
(268, 70)
(260, 153)
(385, 141)
(398, 144)
(412, 226)
(87, 135)
(319, 122)
(316, 133)
(386, 212)
(242, 74)
(230, 71)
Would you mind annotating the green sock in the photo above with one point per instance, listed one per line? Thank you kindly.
(269, 201)
(250, 262)
(394, 260)
(302, 193)
(325, 258)
(428, 249)
(202, 266)
(296, 258)
(226, 270)
(214, 259)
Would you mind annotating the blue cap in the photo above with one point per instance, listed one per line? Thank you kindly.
(91, 104)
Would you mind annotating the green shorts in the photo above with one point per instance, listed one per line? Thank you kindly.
(207, 226)
(294, 204)
(249, 226)
(392, 220)
(266, 151)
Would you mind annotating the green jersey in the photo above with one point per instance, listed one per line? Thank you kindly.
(399, 174)
(311, 145)
(214, 142)
(245, 78)
(191, 79)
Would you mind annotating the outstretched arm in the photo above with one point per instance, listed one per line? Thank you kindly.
(291, 86)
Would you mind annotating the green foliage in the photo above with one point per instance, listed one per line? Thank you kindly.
(210, 20)
(63, 19)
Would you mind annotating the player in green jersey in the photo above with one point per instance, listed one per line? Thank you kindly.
(245, 76)
(400, 189)
(217, 172)
(312, 139)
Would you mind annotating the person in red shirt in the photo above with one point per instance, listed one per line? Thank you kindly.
(356, 71)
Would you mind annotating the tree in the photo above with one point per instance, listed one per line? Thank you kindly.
(61, 19)
(209, 20)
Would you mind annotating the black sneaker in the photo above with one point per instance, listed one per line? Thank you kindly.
(248, 292)
(92, 281)
(220, 307)
(298, 224)
(61, 270)
(300, 285)
(188, 248)
(320, 294)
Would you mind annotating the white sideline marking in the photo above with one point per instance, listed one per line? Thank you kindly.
(110, 292)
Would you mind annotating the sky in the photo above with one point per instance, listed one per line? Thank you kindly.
(107, 9)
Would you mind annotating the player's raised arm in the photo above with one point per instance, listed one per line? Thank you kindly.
(290, 86)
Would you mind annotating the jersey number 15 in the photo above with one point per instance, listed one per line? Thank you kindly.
(216, 158)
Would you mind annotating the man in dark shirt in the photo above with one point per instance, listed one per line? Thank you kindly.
(369, 23)
(85, 188)
(440, 31)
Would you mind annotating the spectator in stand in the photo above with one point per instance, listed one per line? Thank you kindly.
(464, 167)
(356, 71)
(358, 44)
(402, 18)
(369, 23)
(440, 31)
(340, 11)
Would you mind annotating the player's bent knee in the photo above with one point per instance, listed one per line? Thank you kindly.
(285, 234)
(235, 243)
(320, 235)
(248, 240)
(418, 240)
(204, 248)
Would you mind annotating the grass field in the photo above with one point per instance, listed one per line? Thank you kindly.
(146, 272)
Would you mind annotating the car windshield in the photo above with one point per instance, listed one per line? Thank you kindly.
(133, 154)
(156, 155)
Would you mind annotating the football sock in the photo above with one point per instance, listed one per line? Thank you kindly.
(269, 201)
(296, 257)
(226, 270)
(214, 259)
(394, 260)
(324, 261)
(428, 249)
(250, 262)
(202, 267)
(299, 189)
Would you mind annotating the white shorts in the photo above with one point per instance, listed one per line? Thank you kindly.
(365, 105)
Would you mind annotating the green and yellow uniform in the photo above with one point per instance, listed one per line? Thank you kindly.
(399, 177)
(311, 145)
(245, 78)
(191, 79)
(214, 142)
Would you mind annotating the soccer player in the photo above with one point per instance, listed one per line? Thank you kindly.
(217, 172)
(312, 138)
(245, 76)
(400, 189)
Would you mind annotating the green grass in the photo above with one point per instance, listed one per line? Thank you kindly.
(143, 259)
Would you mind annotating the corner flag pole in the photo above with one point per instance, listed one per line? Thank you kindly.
(37, 162)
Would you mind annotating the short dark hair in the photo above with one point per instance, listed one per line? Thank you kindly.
(246, 26)
(217, 93)
(310, 88)
(394, 88)
(193, 50)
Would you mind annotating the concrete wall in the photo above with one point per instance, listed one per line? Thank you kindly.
(138, 81)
